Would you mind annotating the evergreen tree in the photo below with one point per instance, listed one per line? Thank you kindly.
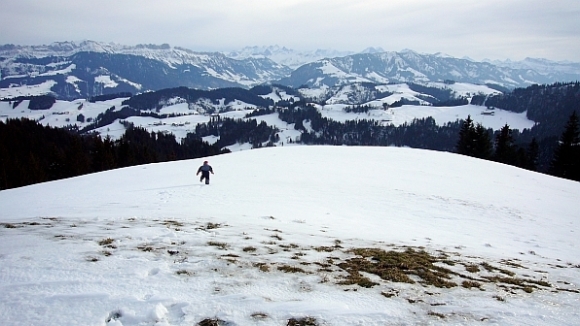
(505, 151)
(482, 141)
(103, 157)
(474, 140)
(467, 136)
(566, 161)
(532, 153)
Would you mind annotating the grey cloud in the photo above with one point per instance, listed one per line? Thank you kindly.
(495, 29)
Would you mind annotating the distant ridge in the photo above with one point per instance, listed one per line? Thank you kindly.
(72, 70)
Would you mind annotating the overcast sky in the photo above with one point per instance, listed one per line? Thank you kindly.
(494, 29)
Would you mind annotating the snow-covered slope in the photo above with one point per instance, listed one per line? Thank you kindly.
(274, 237)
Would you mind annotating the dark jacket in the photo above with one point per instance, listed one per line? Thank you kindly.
(205, 168)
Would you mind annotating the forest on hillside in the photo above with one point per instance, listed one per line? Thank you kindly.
(31, 153)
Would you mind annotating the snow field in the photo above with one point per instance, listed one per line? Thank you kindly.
(265, 242)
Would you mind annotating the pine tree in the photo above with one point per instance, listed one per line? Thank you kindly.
(474, 140)
(566, 161)
(483, 145)
(532, 153)
(467, 136)
(504, 147)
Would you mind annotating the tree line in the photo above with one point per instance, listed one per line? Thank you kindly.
(474, 140)
(31, 153)
(559, 157)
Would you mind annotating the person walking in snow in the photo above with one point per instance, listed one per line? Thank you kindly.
(205, 169)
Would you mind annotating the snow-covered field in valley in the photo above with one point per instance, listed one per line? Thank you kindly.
(318, 235)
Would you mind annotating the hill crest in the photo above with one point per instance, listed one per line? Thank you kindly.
(276, 233)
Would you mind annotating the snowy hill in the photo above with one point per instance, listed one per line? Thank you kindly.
(319, 234)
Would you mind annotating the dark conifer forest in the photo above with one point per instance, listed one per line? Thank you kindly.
(32, 153)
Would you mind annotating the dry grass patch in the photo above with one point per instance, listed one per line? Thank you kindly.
(220, 245)
(184, 272)
(262, 267)
(259, 315)
(391, 293)
(306, 321)
(491, 268)
(108, 243)
(512, 264)
(471, 284)
(357, 278)
(212, 322)
(145, 248)
(249, 249)
(277, 237)
(324, 249)
(472, 268)
(397, 266)
(436, 314)
(289, 246)
(527, 285)
(290, 269)
(211, 226)
(170, 223)
(298, 255)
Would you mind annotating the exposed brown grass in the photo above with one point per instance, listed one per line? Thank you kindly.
(397, 266)
(220, 245)
(290, 269)
(306, 321)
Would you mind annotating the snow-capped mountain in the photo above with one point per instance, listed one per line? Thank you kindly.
(285, 56)
(556, 69)
(85, 69)
(410, 66)
(90, 68)
(373, 50)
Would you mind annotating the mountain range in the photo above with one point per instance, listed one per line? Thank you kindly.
(89, 69)
(85, 69)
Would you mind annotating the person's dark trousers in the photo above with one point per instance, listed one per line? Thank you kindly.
(204, 175)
